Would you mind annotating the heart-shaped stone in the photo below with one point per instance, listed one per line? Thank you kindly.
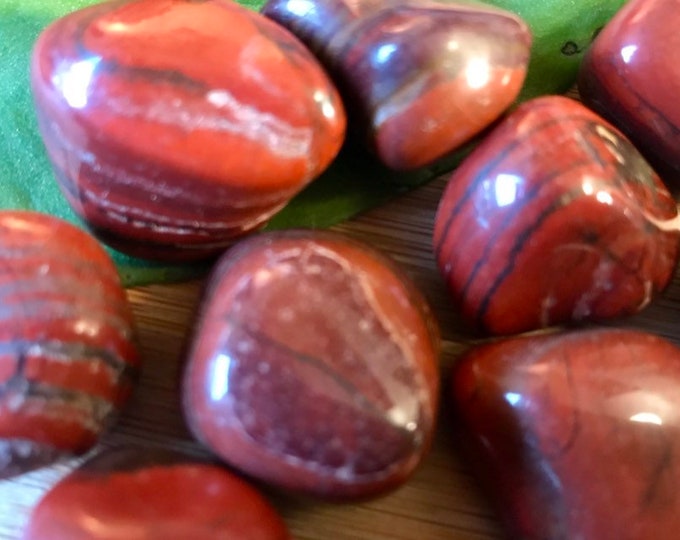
(67, 357)
(576, 435)
(314, 366)
(174, 126)
(554, 218)
(146, 494)
(421, 78)
(631, 76)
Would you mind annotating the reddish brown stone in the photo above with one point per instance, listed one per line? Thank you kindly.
(174, 126)
(576, 435)
(631, 76)
(554, 218)
(422, 77)
(314, 366)
(66, 354)
(129, 494)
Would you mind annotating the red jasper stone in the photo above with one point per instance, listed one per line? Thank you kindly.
(554, 218)
(422, 77)
(631, 76)
(174, 126)
(576, 435)
(314, 366)
(128, 494)
(67, 357)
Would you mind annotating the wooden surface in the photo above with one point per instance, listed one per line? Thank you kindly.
(440, 502)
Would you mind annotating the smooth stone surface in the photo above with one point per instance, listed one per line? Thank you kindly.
(421, 78)
(554, 218)
(145, 494)
(576, 435)
(67, 356)
(631, 76)
(314, 366)
(175, 126)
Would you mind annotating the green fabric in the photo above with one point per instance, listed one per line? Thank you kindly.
(562, 31)
(354, 183)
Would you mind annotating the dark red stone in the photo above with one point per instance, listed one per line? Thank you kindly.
(554, 218)
(135, 494)
(423, 77)
(175, 126)
(67, 357)
(576, 435)
(314, 366)
(631, 76)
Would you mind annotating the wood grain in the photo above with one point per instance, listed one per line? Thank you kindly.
(442, 501)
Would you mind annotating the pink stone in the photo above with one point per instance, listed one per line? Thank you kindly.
(420, 78)
(631, 76)
(576, 435)
(314, 366)
(68, 357)
(554, 218)
(174, 127)
(145, 494)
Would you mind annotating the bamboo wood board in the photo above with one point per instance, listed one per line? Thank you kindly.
(440, 502)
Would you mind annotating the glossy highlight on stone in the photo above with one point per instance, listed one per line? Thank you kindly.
(631, 76)
(149, 494)
(576, 435)
(174, 126)
(67, 354)
(314, 366)
(421, 77)
(554, 218)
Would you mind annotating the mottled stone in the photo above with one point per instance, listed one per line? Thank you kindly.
(67, 357)
(145, 494)
(631, 76)
(314, 366)
(576, 435)
(175, 126)
(421, 77)
(554, 218)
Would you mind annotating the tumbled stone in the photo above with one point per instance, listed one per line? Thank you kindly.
(145, 494)
(175, 126)
(631, 76)
(67, 354)
(555, 218)
(576, 435)
(314, 366)
(421, 77)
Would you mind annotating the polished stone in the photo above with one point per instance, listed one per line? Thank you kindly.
(420, 78)
(631, 76)
(174, 127)
(67, 353)
(576, 435)
(555, 218)
(314, 366)
(144, 494)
